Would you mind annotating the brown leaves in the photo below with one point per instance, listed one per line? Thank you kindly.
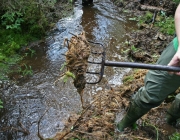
(76, 58)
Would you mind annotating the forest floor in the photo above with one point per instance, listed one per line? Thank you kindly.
(97, 121)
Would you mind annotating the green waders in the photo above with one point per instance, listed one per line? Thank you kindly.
(132, 115)
(158, 85)
(173, 112)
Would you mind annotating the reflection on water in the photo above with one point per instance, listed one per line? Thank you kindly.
(25, 102)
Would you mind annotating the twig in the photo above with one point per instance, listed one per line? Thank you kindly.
(84, 111)
(12, 128)
(58, 78)
(134, 137)
(117, 102)
(125, 5)
(25, 130)
(83, 132)
(39, 135)
(75, 125)
(73, 34)
(157, 132)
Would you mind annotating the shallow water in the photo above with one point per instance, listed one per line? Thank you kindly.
(27, 100)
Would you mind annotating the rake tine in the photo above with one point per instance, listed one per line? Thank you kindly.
(99, 74)
(93, 72)
(94, 62)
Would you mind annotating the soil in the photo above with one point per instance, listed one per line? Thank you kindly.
(97, 121)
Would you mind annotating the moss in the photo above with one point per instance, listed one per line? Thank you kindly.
(128, 79)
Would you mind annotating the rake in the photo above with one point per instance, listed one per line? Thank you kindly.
(97, 63)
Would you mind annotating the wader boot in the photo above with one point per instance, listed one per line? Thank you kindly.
(173, 112)
(133, 114)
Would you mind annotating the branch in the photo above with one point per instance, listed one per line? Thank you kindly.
(151, 8)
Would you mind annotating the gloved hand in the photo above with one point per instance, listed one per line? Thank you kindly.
(175, 61)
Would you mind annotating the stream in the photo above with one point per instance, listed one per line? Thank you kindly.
(26, 101)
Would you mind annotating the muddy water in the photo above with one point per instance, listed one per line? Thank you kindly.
(27, 100)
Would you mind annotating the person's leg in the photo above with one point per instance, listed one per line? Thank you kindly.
(158, 85)
(173, 112)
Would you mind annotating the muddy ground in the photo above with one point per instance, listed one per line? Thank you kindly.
(97, 121)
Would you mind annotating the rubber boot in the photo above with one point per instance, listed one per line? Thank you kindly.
(133, 114)
(173, 112)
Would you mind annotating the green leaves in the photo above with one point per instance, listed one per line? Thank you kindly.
(166, 24)
(70, 74)
(1, 104)
(177, 1)
(67, 75)
(12, 20)
(175, 136)
(26, 71)
(62, 66)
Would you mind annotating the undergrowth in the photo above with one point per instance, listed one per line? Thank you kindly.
(175, 136)
(22, 23)
(162, 21)
(10, 44)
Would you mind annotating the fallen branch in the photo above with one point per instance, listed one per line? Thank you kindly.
(151, 8)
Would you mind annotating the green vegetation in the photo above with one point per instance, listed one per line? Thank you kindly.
(128, 78)
(163, 22)
(1, 104)
(23, 22)
(175, 136)
(26, 70)
(67, 75)
(147, 123)
(144, 19)
(176, 1)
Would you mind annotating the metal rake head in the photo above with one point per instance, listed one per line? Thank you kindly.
(96, 60)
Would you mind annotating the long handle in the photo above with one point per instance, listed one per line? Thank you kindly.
(142, 66)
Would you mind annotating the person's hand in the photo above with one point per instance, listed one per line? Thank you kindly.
(175, 61)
